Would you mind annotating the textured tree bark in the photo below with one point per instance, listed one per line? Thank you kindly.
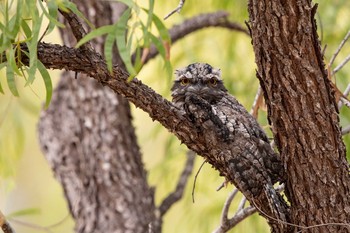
(302, 112)
(88, 139)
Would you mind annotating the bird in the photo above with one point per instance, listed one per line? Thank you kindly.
(252, 165)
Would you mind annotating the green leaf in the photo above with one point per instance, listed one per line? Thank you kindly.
(163, 31)
(159, 45)
(47, 80)
(26, 29)
(150, 13)
(11, 82)
(32, 48)
(14, 23)
(121, 43)
(51, 15)
(24, 212)
(95, 33)
(108, 49)
(1, 90)
(10, 56)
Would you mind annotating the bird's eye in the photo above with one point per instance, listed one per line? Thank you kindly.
(213, 81)
(184, 81)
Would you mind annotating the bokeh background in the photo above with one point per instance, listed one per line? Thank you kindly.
(32, 198)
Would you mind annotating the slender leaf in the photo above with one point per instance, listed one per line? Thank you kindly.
(10, 56)
(163, 31)
(26, 29)
(24, 212)
(108, 49)
(32, 48)
(121, 43)
(51, 15)
(10, 76)
(47, 80)
(150, 13)
(95, 33)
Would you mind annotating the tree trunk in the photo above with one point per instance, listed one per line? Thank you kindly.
(303, 113)
(88, 139)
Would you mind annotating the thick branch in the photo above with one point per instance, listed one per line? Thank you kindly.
(216, 19)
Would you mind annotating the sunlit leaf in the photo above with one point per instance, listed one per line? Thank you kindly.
(26, 29)
(51, 15)
(163, 31)
(24, 212)
(108, 49)
(121, 43)
(10, 76)
(47, 80)
(32, 47)
(95, 33)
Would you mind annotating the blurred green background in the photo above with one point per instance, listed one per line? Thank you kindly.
(28, 185)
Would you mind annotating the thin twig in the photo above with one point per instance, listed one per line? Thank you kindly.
(345, 130)
(345, 102)
(339, 48)
(345, 94)
(257, 102)
(242, 203)
(195, 179)
(177, 9)
(180, 187)
(224, 214)
(241, 213)
(343, 63)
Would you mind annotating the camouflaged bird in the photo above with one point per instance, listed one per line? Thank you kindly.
(198, 91)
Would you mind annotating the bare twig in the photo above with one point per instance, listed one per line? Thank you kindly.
(5, 226)
(345, 101)
(242, 203)
(257, 103)
(195, 179)
(343, 63)
(345, 94)
(177, 9)
(216, 19)
(179, 190)
(339, 48)
(227, 205)
(241, 214)
(345, 130)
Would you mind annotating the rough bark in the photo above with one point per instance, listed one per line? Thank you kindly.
(302, 112)
(88, 139)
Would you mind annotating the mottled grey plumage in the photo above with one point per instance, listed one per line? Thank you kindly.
(253, 165)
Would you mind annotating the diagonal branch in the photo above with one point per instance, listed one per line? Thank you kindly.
(216, 19)
(177, 194)
(92, 64)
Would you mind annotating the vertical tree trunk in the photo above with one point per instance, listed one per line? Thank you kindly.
(302, 112)
(87, 137)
